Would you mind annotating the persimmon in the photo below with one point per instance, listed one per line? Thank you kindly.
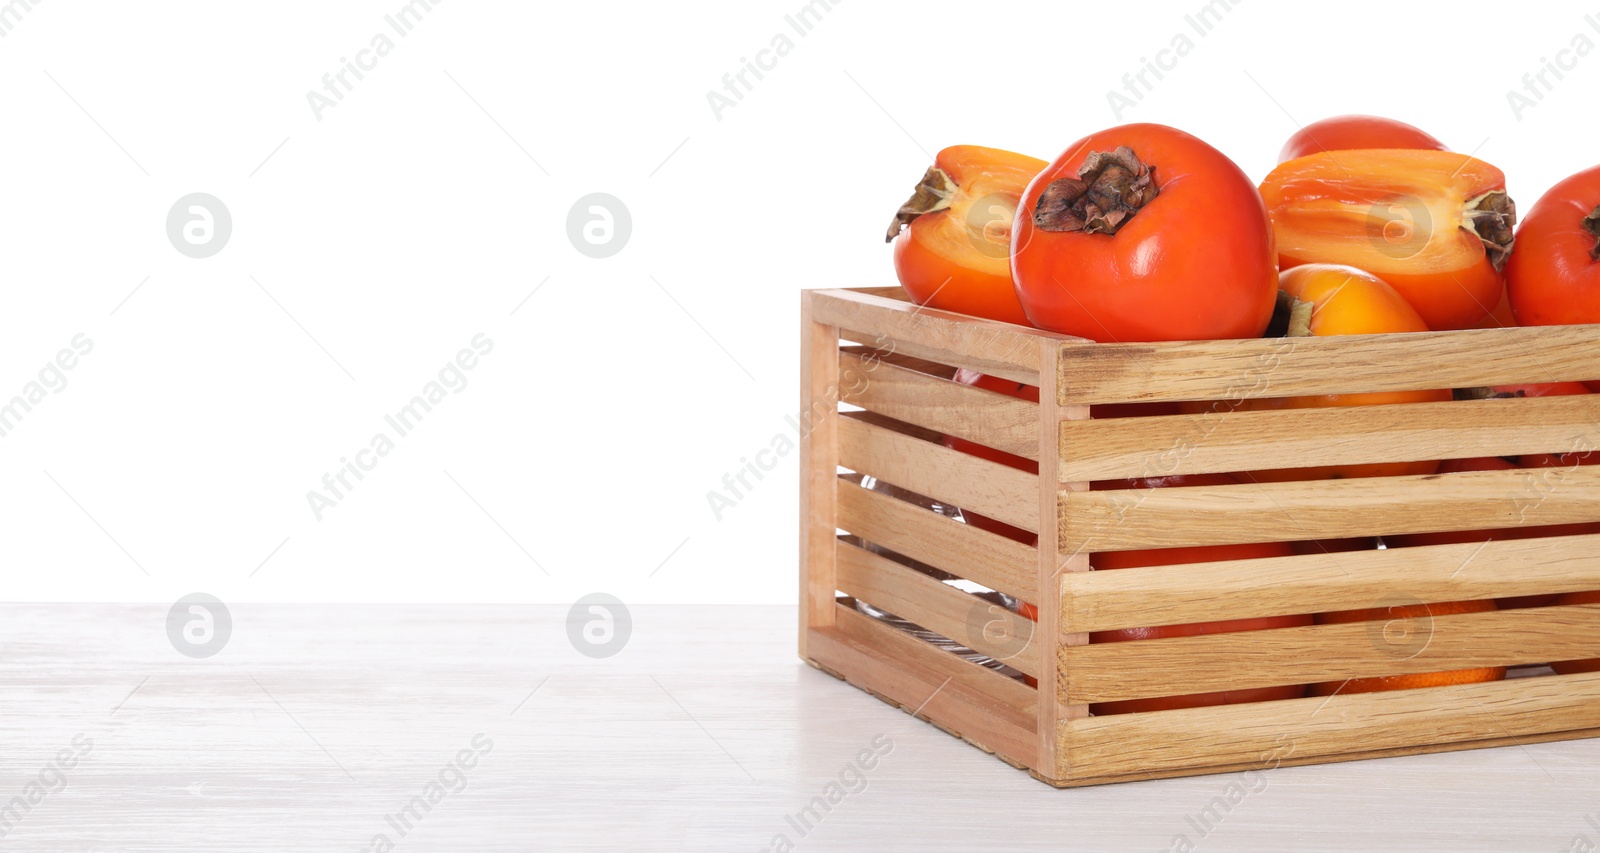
(1435, 225)
(1405, 613)
(1349, 132)
(956, 253)
(1144, 233)
(1342, 301)
(1555, 277)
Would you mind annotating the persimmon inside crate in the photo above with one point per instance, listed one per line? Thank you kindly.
(878, 394)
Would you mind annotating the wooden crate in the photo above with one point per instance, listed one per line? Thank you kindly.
(871, 350)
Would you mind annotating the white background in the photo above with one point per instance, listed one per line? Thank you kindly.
(423, 210)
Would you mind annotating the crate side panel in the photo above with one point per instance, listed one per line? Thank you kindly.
(939, 607)
(916, 397)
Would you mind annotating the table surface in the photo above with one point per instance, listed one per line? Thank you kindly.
(316, 725)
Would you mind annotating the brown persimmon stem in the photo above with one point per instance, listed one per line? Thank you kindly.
(1291, 318)
(932, 193)
(1491, 216)
(1110, 188)
(1591, 223)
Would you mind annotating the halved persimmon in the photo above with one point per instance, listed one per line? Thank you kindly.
(956, 254)
(1434, 225)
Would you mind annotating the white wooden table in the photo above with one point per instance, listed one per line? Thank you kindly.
(704, 733)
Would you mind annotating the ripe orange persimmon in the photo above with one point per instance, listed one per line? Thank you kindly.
(1556, 279)
(1412, 635)
(1144, 233)
(1435, 225)
(956, 254)
(1344, 301)
(1344, 133)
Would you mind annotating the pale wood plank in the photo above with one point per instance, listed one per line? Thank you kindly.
(1106, 672)
(939, 607)
(1320, 583)
(1347, 364)
(960, 549)
(1316, 726)
(819, 456)
(986, 417)
(1290, 438)
(978, 704)
(1052, 568)
(1130, 519)
(997, 491)
(989, 346)
(1269, 762)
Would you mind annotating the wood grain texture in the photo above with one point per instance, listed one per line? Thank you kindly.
(1106, 672)
(1347, 364)
(891, 388)
(705, 733)
(939, 607)
(1319, 583)
(961, 696)
(992, 347)
(1121, 520)
(1289, 438)
(1315, 726)
(960, 549)
(957, 479)
(819, 457)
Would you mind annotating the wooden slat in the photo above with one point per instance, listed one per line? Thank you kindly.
(988, 418)
(819, 455)
(992, 711)
(1289, 438)
(1269, 761)
(1053, 567)
(1349, 364)
(1320, 583)
(960, 549)
(1000, 349)
(1122, 520)
(958, 479)
(1106, 672)
(941, 608)
(1316, 726)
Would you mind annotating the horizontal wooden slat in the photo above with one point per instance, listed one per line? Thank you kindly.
(1321, 583)
(1106, 672)
(988, 418)
(975, 623)
(1122, 520)
(1290, 438)
(1231, 734)
(1349, 364)
(995, 712)
(1000, 349)
(958, 479)
(963, 550)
